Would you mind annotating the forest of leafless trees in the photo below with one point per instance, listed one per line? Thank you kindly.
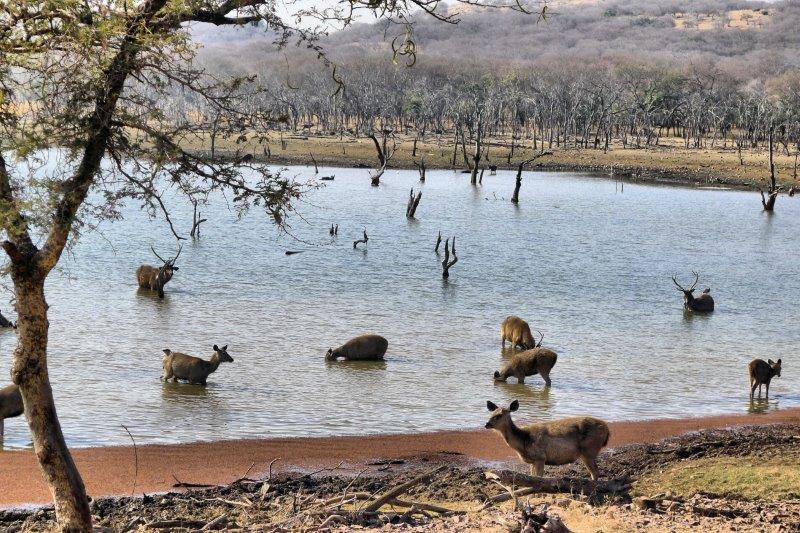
(589, 76)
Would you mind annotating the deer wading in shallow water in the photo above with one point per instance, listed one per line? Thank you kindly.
(154, 278)
(518, 332)
(10, 404)
(761, 373)
(701, 304)
(551, 443)
(193, 369)
(528, 363)
(362, 348)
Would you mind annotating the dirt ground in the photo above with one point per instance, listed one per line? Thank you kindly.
(339, 499)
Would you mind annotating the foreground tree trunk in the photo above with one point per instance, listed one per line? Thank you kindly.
(29, 371)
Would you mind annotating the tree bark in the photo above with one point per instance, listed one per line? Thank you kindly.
(30, 372)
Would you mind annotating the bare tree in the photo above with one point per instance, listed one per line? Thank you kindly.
(363, 240)
(447, 264)
(413, 202)
(772, 192)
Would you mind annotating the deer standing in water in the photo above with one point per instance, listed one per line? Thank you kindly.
(154, 278)
(10, 404)
(761, 373)
(701, 304)
(193, 369)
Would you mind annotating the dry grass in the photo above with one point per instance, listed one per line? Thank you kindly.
(762, 478)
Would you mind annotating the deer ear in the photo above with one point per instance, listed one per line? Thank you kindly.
(225, 348)
(779, 361)
(166, 351)
(770, 361)
(215, 348)
(514, 406)
(490, 406)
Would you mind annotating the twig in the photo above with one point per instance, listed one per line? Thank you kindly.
(136, 459)
(180, 484)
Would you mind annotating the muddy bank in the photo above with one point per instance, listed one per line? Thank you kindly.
(110, 470)
(453, 497)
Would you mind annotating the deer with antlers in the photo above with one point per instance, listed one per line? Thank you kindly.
(154, 278)
(701, 304)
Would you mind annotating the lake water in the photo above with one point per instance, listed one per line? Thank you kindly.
(584, 261)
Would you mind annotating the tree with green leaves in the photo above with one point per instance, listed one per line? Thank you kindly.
(86, 89)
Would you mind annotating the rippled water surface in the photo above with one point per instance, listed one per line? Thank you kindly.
(584, 261)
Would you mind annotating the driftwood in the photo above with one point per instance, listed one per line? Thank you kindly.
(327, 178)
(413, 202)
(446, 263)
(401, 489)
(359, 241)
(555, 485)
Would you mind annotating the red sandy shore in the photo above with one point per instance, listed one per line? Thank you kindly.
(110, 470)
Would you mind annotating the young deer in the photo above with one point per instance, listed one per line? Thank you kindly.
(193, 369)
(702, 304)
(528, 363)
(518, 332)
(551, 443)
(761, 373)
(10, 404)
(154, 278)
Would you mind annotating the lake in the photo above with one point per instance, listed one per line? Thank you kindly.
(583, 259)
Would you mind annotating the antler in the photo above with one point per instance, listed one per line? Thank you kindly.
(154, 251)
(678, 284)
(696, 279)
(541, 339)
(172, 261)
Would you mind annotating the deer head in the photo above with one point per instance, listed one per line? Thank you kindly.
(688, 295)
(500, 415)
(165, 271)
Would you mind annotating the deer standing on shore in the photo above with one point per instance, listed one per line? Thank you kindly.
(154, 278)
(10, 404)
(551, 443)
(193, 369)
(702, 304)
(761, 373)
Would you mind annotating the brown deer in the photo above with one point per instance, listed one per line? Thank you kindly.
(6, 323)
(551, 443)
(154, 278)
(761, 373)
(362, 348)
(10, 404)
(702, 304)
(193, 369)
(528, 363)
(518, 332)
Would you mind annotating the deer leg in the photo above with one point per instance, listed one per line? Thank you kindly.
(546, 377)
(753, 386)
(767, 390)
(591, 465)
(521, 378)
(537, 468)
(2, 428)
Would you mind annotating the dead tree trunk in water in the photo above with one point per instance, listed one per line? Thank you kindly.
(438, 242)
(476, 157)
(772, 192)
(413, 202)
(421, 169)
(384, 154)
(314, 160)
(515, 196)
(364, 240)
(196, 221)
(446, 263)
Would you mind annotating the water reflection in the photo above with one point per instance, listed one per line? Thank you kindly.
(182, 392)
(356, 366)
(536, 399)
(758, 406)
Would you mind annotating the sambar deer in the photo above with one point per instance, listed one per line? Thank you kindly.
(528, 363)
(154, 278)
(361, 348)
(761, 373)
(10, 404)
(518, 332)
(558, 442)
(193, 369)
(701, 304)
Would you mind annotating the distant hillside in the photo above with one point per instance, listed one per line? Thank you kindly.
(747, 39)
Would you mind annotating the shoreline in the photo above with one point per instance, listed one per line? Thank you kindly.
(109, 471)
